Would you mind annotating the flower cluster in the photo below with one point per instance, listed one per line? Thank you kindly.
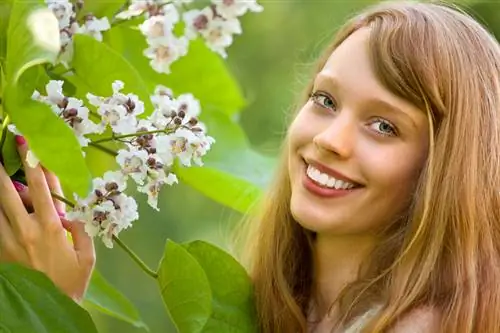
(107, 210)
(219, 22)
(216, 24)
(69, 109)
(149, 148)
(65, 12)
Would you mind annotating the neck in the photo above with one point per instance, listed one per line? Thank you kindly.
(336, 263)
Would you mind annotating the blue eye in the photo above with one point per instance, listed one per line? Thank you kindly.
(323, 100)
(384, 127)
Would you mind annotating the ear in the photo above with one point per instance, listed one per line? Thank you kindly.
(422, 320)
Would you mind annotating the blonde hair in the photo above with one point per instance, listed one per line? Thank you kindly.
(445, 252)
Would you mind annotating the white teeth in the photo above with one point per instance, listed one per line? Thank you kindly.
(327, 180)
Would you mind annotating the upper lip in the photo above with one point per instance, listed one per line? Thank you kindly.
(334, 173)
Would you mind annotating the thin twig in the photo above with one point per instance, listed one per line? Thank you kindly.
(136, 258)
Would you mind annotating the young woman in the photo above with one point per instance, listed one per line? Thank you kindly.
(383, 216)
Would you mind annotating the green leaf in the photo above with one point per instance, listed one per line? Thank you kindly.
(185, 289)
(5, 9)
(233, 173)
(104, 297)
(47, 134)
(201, 72)
(232, 292)
(32, 37)
(11, 159)
(98, 66)
(30, 302)
(101, 8)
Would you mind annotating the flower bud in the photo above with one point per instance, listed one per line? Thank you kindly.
(151, 162)
(70, 113)
(98, 193)
(130, 106)
(111, 186)
(193, 121)
(196, 130)
(182, 114)
(200, 22)
(63, 104)
(177, 121)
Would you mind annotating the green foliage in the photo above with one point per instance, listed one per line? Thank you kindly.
(30, 302)
(98, 66)
(102, 296)
(205, 289)
(47, 135)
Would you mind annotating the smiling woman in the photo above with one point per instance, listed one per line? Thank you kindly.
(384, 213)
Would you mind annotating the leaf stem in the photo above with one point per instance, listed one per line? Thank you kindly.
(117, 240)
(136, 258)
(123, 136)
(5, 123)
(103, 148)
(63, 199)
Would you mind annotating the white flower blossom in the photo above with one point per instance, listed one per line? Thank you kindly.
(160, 25)
(133, 163)
(119, 111)
(153, 186)
(107, 210)
(94, 27)
(233, 8)
(163, 51)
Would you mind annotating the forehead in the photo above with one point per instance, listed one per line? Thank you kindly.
(350, 71)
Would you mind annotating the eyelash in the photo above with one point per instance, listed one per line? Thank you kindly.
(314, 96)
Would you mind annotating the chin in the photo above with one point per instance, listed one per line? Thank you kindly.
(317, 221)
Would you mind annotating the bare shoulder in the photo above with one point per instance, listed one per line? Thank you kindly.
(422, 320)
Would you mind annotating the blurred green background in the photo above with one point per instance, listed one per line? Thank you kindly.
(270, 61)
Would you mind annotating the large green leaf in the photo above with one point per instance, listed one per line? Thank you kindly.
(185, 289)
(104, 297)
(5, 9)
(232, 303)
(233, 173)
(201, 72)
(47, 135)
(30, 302)
(98, 66)
(32, 37)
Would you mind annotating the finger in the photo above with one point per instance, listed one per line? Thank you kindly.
(55, 187)
(24, 194)
(39, 189)
(10, 202)
(9, 248)
(82, 242)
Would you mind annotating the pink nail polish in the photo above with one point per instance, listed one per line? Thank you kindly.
(61, 214)
(20, 140)
(19, 186)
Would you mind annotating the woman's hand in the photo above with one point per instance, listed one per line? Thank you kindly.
(38, 240)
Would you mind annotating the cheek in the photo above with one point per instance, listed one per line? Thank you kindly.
(393, 174)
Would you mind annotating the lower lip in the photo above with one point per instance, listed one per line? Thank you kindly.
(325, 192)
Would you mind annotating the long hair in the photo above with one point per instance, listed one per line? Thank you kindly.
(444, 253)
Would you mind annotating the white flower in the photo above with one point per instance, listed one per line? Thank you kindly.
(160, 25)
(234, 8)
(133, 163)
(190, 105)
(54, 91)
(94, 27)
(63, 10)
(196, 20)
(135, 9)
(119, 111)
(219, 34)
(154, 184)
(163, 51)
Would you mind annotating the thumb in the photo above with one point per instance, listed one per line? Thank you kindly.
(82, 242)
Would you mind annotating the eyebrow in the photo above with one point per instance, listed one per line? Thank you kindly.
(377, 103)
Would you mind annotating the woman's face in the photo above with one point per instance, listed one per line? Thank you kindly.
(356, 149)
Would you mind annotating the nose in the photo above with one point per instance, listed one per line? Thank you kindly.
(338, 137)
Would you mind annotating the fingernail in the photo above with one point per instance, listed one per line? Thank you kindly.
(20, 140)
(19, 186)
(61, 214)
